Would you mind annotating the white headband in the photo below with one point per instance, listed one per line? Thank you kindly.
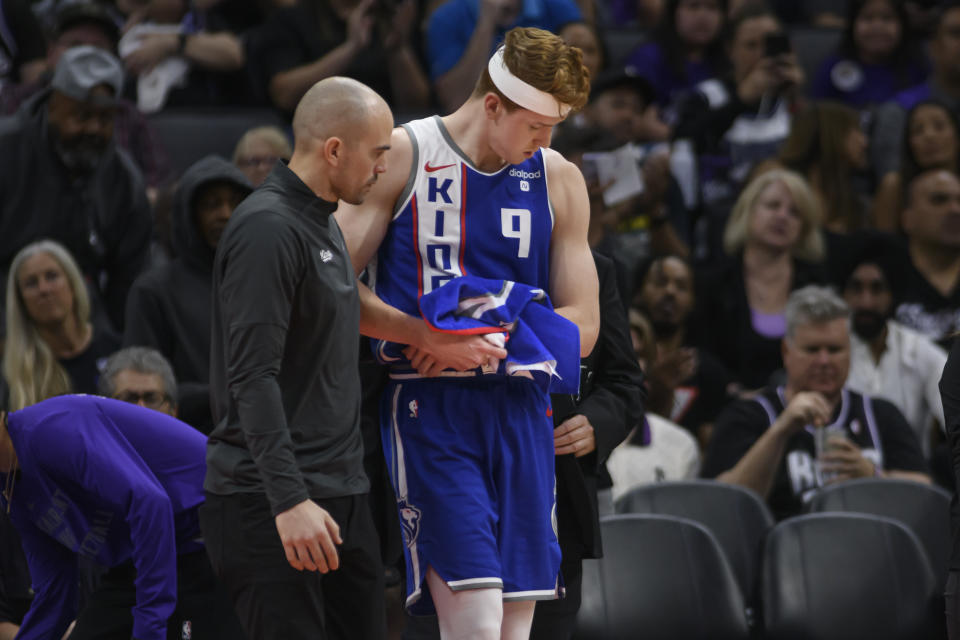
(525, 95)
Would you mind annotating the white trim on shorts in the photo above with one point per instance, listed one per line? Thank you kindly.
(546, 594)
(475, 583)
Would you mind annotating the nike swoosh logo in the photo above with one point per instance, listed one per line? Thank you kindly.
(430, 169)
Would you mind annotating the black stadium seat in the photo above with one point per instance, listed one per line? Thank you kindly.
(620, 42)
(736, 516)
(190, 134)
(661, 578)
(838, 576)
(923, 508)
(812, 46)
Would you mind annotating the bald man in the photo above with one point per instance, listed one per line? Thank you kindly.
(286, 520)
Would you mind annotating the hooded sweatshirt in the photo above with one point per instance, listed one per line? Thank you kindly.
(103, 219)
(169, 306)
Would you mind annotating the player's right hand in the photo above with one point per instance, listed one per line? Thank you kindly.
(309, 535)
(806, 407)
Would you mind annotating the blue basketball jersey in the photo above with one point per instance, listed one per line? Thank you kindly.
(471, 459)
(459, 220)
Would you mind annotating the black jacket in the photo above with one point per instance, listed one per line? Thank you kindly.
(284, 379)
(612, 398)
(950, 392)
(169, 306)
(104, 220)
(722, 324)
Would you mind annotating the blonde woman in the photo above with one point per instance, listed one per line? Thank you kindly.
(52, 347)
(774, 244)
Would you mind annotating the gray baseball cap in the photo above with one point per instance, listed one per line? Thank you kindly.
(82, 68)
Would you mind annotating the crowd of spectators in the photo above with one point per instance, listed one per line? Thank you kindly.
(730, 182)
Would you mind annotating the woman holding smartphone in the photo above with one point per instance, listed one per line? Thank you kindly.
(740, 119)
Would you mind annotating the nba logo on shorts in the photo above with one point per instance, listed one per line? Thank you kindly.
(414, 409)
(186, 631)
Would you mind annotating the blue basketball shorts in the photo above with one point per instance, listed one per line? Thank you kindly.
(472, 464)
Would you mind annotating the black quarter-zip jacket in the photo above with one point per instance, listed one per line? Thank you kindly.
(284, 380)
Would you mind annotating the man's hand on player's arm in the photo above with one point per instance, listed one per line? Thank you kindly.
(309, 535)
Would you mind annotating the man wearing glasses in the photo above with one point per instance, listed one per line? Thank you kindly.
(142, 376)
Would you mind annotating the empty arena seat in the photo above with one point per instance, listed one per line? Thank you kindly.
(923, 508)
(620, 42)
(190, 134)
(661, 577)
(837, 576)
(737, 517)
(812, 46)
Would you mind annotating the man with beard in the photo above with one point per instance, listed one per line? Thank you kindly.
(931, 279)
(287, 522)
(162, 310)
(62, 178)
(887, 359)
(769, 443)
(92, 23)
(687, 385)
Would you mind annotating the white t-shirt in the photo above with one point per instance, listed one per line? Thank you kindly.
(672, 454)
(907, 375)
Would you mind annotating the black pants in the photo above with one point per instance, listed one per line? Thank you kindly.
(273, 599)
(557, 619)
(203, 609)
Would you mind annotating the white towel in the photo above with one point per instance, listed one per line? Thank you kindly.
(154, 85)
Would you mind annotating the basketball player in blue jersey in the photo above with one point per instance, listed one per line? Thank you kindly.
(477, 193)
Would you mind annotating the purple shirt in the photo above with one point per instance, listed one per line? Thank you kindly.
(649, 61)
(111, 481)
(859, 85)
(769, 325)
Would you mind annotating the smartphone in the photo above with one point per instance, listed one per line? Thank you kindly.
(776, 44)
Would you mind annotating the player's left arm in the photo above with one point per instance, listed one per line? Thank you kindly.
(574, 289)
